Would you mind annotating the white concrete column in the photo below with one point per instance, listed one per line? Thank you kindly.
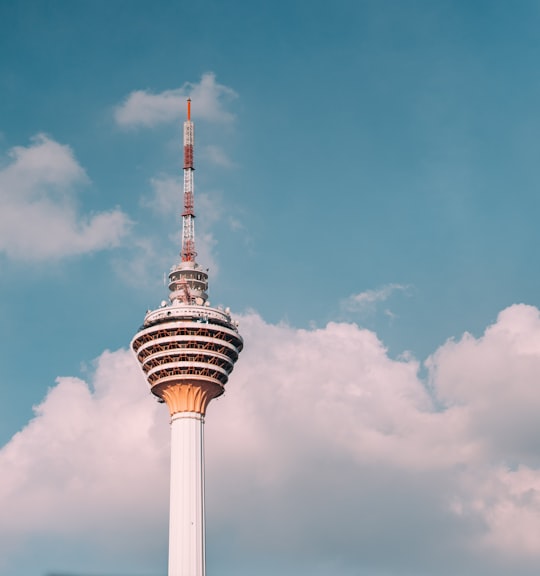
(186, 522)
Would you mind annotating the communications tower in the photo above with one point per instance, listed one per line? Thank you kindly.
(187, 349)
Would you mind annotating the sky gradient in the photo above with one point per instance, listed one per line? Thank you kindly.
(366, 192)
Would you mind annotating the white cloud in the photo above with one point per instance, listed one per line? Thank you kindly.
(38, 215)
(328, 431)
(494, 378)
(325, 456)
(88, 464)
(144, 108)
(493, 382)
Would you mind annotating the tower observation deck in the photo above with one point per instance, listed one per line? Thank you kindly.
(187, 350)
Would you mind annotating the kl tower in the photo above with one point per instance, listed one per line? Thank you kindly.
(187, 349)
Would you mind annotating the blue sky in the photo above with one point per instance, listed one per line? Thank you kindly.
(367, 196)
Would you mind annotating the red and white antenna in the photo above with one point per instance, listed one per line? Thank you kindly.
(188, 215)
(188, 282)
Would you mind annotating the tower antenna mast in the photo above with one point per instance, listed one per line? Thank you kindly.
(188, 215)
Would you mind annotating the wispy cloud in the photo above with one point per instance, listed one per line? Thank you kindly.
(216, 155)
(143, 108)
(368, 300)
(38, 215)
(165, 200)
(166, 197)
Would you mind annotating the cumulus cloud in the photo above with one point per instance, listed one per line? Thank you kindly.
(325, 456)
(144, 108)
(493, 382)
(359, 464)
(493, 378)
(87, 466)
(38, 215)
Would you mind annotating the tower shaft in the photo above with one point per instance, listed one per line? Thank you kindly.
(186, 517)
